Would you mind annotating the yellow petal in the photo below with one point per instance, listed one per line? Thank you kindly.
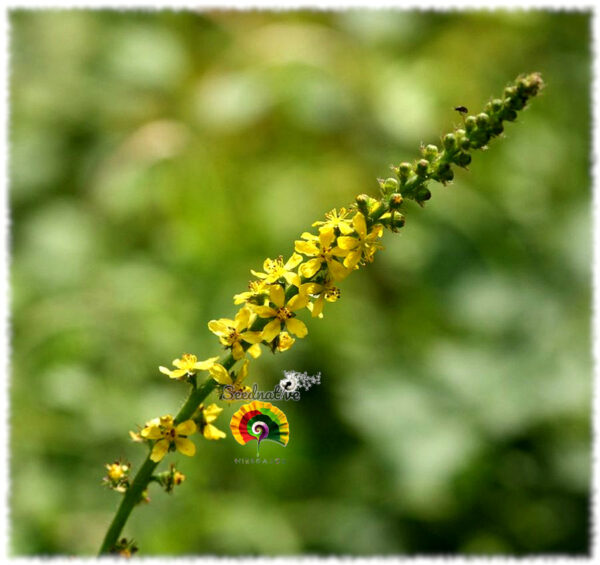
(220, 374)
(285, 341)
(312, 288)
(159, 450)
(307, 247)
(345, 228)
(218, 327)
(185, 446)
(360, 226)
(151, 432)
(293, 262)
(317, 308)
(277, 295)
(237, 351)
(186, 428)
(243, 373)
(346, 242)
(338, 252)
(292, 278)
(271, 330)
(308, 269)
(297, 302)
(241, 319)
(337, 270)
(255, 350)
(352, 259)
(165, 371)
(265, 311)
(211, 412)
(326, 236)
(252, 337)
(206, 364)
(212, 432)
(296, 326)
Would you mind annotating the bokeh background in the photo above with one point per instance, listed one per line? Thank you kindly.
(155, 157)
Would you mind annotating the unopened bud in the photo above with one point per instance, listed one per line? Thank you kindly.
(390, 185)
(421, 167)
(422, 194)
(470, 123)
(462, 159)
(444, 173)
(430, 152)
(482, 120)
(404, 170)
(449, 142)
(362, 201)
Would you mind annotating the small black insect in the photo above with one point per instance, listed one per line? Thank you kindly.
(462, 109)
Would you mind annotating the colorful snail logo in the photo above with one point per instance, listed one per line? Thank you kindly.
(260, 421)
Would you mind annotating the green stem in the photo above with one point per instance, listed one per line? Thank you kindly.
(140, 482)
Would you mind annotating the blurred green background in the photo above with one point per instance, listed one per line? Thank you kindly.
(155, 157)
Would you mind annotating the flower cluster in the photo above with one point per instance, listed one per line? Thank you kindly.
(168, 436)
(125, 548)
(169, 479)
(117, 476)
(348, 239)
(271, 309)
(342, 243)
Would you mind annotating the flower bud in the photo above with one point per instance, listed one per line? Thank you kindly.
(517, 103)
(449, 142)
(496, 105)
(362, 201)
(509, 91)
(422, 194)
(444, 173)
(395, 201)
(482, 120)
(404, 170)
(509, 115)
(470, 123)
(397, 221)
(421, 167)
(390, 185)
(496, 128)
(430, 152)
(462, 159)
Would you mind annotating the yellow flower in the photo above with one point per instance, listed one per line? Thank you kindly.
(276, 269)
(117, 470)
(337, 220)
(232, 332)
(323, 250)
(282, 313)
(169, 436)
(258, 292)
(187, 365)
(363, 245)
(117, 476)
(222, 376)
(208, 416)
(326, 291)
(285, 341)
